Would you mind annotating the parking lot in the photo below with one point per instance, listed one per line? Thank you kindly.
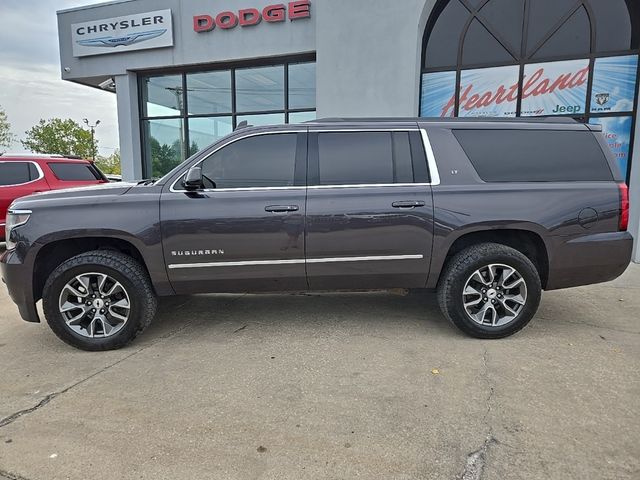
(336, 386)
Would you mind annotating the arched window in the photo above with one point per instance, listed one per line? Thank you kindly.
(508, 58)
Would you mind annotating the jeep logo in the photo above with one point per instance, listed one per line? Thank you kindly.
(567, 109)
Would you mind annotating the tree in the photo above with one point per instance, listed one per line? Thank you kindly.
(110, 164)
(6, 137)
(164, 157)
(60, 137)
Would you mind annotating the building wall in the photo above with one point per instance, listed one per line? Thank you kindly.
(190, 48)
(368, 56)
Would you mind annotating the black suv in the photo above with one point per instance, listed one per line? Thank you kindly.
(489, 213)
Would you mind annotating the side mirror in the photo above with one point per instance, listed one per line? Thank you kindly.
(193, 180)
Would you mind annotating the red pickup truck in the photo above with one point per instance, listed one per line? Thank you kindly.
(22, 175)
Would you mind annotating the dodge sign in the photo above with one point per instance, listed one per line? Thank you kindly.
(122, 34)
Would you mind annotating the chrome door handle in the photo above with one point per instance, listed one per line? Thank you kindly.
(408, 204)
(281, 208)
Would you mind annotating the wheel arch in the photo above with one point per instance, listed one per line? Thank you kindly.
(53, 253)
(527, 241)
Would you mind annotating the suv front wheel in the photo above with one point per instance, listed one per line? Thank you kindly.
(489, 290)
(99, 300)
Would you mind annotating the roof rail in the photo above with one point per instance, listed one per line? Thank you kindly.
(547, 119)
(32, 155)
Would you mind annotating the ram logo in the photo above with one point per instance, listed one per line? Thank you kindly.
(123, 40)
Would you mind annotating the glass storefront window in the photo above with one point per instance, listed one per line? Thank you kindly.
(207, 130)
(302, 85)
(262, 119)
(184, 113)
(260, 89)
(536, 58)
(617, 133)
(438, 96)
(164, 144)
(163, 96)
(614, 84)
(301, 117)
(488, 92)
(209, 92)
(555, 88)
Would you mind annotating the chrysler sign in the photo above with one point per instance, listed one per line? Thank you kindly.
(248, 17)
(122, 34)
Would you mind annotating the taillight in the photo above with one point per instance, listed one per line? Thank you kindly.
(624, 207)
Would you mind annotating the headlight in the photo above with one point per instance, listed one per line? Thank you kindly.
(15, 218)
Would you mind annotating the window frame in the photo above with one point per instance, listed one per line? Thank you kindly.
(94, 171)
(38, 169)
(523, 58)
(313, 179)
(300, 173)
(234, 113)
(474, 158)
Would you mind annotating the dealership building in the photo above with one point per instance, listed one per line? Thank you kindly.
(187, 72)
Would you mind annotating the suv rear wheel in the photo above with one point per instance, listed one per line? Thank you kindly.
(99, 300)
(489, 290)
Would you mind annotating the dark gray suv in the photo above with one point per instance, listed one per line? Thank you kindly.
(489, 213)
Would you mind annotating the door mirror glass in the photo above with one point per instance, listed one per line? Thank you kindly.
(193, 179)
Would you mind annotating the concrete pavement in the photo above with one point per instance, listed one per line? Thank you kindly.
(374, 386)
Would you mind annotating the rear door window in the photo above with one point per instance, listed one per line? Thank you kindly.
(74, 172)
(365, 158)
(14, 173)
(535, 155)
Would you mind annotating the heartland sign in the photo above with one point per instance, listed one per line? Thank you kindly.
(249, 17)
(554, 88)
(122, 34)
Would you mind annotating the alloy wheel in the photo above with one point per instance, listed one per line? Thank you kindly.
(94, 305)
(494, 295)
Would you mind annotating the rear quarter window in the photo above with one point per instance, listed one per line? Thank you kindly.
(74, 172)
(535, 155)
(14, 173)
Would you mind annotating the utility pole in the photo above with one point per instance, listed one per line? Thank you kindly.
(93, 134)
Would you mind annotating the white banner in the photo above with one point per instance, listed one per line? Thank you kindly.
(122, 34)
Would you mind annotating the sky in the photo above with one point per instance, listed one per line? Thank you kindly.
(30, 73)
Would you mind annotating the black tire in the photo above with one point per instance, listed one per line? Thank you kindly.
(460, 268)
(122, 268)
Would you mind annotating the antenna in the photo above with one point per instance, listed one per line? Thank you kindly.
(241, 125)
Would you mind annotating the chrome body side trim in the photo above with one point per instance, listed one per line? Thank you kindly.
(431, 159)
(364, 259)
(368, 185)
(295, 261)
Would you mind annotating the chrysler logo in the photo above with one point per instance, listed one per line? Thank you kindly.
(123, 40)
